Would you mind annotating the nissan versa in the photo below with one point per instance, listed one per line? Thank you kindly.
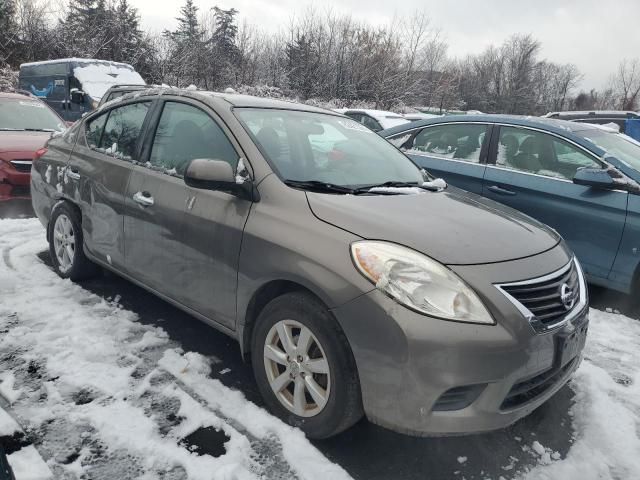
(356, 283)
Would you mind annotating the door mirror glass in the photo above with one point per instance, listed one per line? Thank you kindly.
(593, 177)
(77, 96)
(210, 174)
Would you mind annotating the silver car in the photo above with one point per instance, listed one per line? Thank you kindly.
(354, 282)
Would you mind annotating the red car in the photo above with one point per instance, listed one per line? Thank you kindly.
(26, 123)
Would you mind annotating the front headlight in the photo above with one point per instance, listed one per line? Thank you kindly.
(418, 282)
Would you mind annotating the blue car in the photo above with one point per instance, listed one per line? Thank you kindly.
(581, 179)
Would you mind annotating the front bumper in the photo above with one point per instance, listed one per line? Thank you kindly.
(13, 184)
(425, 376)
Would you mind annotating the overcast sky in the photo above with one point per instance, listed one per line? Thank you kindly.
(593, 34)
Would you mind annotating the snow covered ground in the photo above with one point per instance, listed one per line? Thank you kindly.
(104, 397)
(101, 396)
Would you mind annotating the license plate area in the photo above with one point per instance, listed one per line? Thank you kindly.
(569, 345)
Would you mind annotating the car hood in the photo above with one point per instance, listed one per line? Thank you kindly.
(452, 226)
(22, 141)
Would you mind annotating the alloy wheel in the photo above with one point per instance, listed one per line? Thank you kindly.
(297, 368)
(64, 242)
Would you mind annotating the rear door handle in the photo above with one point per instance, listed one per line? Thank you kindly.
(143, 198)
(72, 173)
(500, 190)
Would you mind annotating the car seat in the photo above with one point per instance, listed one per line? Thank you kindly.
(510, 143)
(467, 147)
(527, 156)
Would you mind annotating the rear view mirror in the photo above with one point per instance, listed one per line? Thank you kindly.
(593, 177)
(217, 175)
(77, 96)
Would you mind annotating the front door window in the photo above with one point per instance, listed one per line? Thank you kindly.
(536, 152)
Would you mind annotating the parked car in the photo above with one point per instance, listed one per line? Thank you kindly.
(353, 283)
(412, 117)
(580, 179)
(116, 91)
(600, 117)
(74, 86)
(25, 125)
(375, 120)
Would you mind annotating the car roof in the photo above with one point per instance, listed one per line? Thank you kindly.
(75, 60)
(240, 100)
(371, 112)
(232, 99)
(128, 86)
(577, 132)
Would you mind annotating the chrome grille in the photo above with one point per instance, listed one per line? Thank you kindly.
(22, 165)
(550, 300)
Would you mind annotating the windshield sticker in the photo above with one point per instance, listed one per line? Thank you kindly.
(353, 125)
(32, 104)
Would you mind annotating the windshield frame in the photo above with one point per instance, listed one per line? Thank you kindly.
(60, 127)
(236, 110)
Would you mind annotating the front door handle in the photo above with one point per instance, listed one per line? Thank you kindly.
(72, 173)
(143, 198)
(500, 190)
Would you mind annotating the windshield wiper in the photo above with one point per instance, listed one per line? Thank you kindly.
(318, 186)
(433, 186)
(11, 129)
(39, 129)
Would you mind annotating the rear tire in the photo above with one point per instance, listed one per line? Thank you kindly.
(317, 361)
(66, 245)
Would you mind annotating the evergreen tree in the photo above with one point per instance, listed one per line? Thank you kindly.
(188, 25)
(188, 50)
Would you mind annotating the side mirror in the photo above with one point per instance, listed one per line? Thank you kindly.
(593, 177)
(609, 179)
(217, 175)
(77, 96)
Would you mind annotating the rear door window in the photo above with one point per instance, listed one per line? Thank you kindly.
(454, 141)
(94, 130)
(185, 133)
(122, 130)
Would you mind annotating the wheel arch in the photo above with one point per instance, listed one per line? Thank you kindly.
(260, 298)
(56, 205)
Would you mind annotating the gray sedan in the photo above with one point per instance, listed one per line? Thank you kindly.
(354, 282)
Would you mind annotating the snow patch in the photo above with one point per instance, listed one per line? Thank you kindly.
(96, 79)
(28, 465)
(7, 388)
(8, 426)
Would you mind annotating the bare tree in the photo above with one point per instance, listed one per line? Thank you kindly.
(626, 84)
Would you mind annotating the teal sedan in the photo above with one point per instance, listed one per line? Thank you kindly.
(581, 179)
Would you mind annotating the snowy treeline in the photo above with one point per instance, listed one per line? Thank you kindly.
(317, 56)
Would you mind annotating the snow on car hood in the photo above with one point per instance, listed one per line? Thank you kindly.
(96, 79)
(453, 227)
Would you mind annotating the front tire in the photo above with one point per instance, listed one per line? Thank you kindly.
(66, 245)
(304, 366)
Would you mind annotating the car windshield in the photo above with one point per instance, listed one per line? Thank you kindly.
(621, 146)
(18, 114)
(308, 146)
